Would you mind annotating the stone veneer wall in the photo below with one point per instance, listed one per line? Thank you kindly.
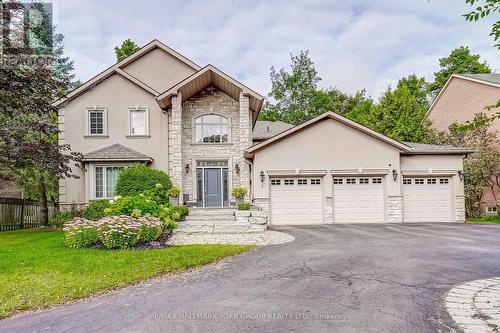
(208, 101)
(175, 142)
(395, 209)
(460, 209)
(328, 211)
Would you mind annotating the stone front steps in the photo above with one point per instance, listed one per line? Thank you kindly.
(221, 221)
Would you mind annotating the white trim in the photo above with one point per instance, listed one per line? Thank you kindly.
(129, 121)
(89, 109)
(429, 172)
(295, 172)
(359, 171)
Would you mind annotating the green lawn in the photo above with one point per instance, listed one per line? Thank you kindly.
(491, 219)
(36, 270)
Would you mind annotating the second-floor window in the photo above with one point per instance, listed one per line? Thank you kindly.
(138, 121)
(96, 121)
(211, 129)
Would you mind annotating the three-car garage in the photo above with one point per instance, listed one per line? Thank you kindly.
(333, 170)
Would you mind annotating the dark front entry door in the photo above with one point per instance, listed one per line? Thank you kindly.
(212, 188)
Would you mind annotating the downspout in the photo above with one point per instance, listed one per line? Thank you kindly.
(251, 178)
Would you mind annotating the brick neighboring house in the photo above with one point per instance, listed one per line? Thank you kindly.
(200, 125)
(462, 97)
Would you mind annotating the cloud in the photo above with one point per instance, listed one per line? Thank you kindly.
(355, 44)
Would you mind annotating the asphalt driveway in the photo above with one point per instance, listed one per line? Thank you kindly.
(336, 278)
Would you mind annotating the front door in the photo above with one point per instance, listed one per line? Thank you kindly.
(212, 187)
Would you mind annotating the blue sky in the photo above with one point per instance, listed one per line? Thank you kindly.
(355, 44)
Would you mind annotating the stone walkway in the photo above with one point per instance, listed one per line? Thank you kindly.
(475, 305)
(259, 239)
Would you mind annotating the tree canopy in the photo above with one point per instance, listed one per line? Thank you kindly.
(127, 48)
(460, 61)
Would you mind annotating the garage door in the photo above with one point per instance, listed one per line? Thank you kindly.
(358, 200)
(296, 201)
(427, 200)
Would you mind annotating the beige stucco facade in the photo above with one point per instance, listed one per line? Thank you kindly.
(461, 99)
(170, 142)
(328, 148)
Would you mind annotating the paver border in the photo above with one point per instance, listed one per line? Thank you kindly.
(472, 305)
(265, 238)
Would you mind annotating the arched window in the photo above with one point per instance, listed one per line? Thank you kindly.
(211, 129)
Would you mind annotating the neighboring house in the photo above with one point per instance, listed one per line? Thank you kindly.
(462, 97)
(158, 107)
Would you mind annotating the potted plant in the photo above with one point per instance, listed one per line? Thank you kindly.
(239, 193)
(173, 195)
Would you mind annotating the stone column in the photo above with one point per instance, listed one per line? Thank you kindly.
(460, 209)
(245, 142)
(395, 209)
(175, 143)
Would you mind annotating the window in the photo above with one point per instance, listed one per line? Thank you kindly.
(443, 181)
(301, 181)
(350, 181)
(105, 180)
(363, 180)
(377, 181)
(419, 181)
(338, 181)
(96, 122)
(315, 181)
(406, 181)
(289, 182)
(138, 121)
(431, 181)
(211, 129)
(275, 182)
(491, 209)
(214, 163)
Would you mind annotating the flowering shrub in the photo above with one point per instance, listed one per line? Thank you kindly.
(152, 202)
(116, 232)
(80, 232)
(138, 178)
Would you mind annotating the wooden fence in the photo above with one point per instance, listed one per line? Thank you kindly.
(20, 213)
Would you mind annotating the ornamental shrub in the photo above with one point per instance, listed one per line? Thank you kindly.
(80, 233)
(139, 178)
(243, 206)
(239, 192)
(95, 210)
(182, 210)
(58, 218)
(119, 232)
(116, 232)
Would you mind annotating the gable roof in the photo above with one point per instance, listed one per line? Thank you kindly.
(117, 69)
(487, 79)
(210, 75)
(341, 119)
(267, 129)
(115, 152)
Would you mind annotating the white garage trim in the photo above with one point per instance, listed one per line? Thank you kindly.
(296, 200)
(358, 199)
(427, 199)
(359, 171)
(296, 172)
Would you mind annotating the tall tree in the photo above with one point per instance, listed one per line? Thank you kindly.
(294, 96)
(28, 119)
(485, 8)
(400, 113)
(460, 61)
(127, 48)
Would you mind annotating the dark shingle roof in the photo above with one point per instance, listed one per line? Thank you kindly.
(421, 148)
(267, 129)
(116, 152)
(491, 78)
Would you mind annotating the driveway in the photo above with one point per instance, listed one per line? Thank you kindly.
(336, 278)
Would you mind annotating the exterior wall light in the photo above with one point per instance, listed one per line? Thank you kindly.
(262, 176)
(460, 174)
(187, 168)
(237, 168)
(394, 174)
